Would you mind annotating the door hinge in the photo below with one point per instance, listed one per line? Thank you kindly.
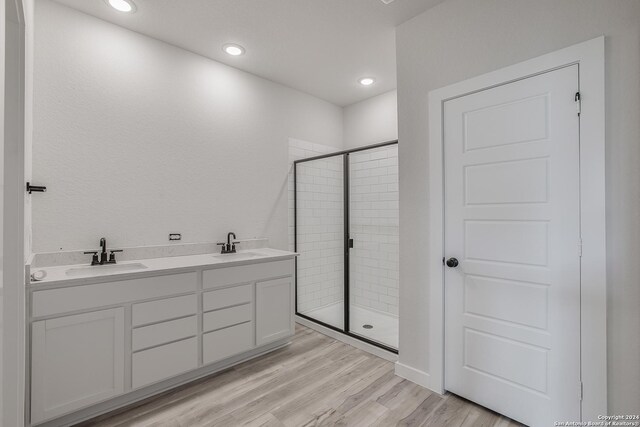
(578, 103)
(580, 248)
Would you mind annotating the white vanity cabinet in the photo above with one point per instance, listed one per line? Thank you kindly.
(76, 361)
(95, 345)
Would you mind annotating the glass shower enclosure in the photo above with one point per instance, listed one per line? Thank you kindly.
(346, 231)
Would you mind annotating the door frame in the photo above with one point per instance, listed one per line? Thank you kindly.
(589, 56)
(13, 357)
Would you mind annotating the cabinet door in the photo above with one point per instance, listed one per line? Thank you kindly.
(76, 361)
(274, 310)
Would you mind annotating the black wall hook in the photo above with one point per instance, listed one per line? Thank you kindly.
(36, 188)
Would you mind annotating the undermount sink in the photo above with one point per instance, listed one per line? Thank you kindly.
(239, 256)
(100, 270)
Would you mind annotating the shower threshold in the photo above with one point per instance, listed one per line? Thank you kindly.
(384, 326)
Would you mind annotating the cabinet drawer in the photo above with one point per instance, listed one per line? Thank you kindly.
(227, 342)
(159, 363)
(226, 317)
(160, 333)
(165, 309)
(246, 273)
(227, 297)
(62, 300)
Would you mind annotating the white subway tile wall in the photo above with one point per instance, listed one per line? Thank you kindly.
(320, 226)
(374, 220)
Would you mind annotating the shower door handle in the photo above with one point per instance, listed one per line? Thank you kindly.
(350, 244)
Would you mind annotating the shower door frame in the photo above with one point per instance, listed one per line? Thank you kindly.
(346, 242)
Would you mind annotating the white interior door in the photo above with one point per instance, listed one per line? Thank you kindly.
(512, 221)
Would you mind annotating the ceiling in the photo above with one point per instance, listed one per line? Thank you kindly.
(321, 47)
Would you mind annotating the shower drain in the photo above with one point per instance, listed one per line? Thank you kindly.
(367, 326)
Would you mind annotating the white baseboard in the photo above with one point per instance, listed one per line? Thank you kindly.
(376, 351)
(415, 376)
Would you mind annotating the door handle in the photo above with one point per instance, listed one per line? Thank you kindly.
(452, 262)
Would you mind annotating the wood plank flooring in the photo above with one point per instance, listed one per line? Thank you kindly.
(315, 381)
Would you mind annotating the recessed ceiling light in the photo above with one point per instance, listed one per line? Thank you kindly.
(233, 49)
(126, 6)
(367, 81)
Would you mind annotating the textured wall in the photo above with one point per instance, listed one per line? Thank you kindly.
(135, 139)
(459, 39)
(371, 121)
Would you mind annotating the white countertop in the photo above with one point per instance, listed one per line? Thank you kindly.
(85, 274)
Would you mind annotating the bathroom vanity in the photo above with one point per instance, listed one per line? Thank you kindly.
(101, 338)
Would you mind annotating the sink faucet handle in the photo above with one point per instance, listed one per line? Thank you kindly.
(112, 255)
(94, 258)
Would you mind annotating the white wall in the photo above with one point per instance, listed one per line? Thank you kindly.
(371, 121)
(459, 39)
(135, 138)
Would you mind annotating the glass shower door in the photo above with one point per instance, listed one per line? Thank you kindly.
(373, 259)
(319, 237)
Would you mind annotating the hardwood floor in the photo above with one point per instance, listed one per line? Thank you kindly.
(315, 381)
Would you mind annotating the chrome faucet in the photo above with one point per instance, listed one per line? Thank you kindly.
(111, 259)
(229, 247)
